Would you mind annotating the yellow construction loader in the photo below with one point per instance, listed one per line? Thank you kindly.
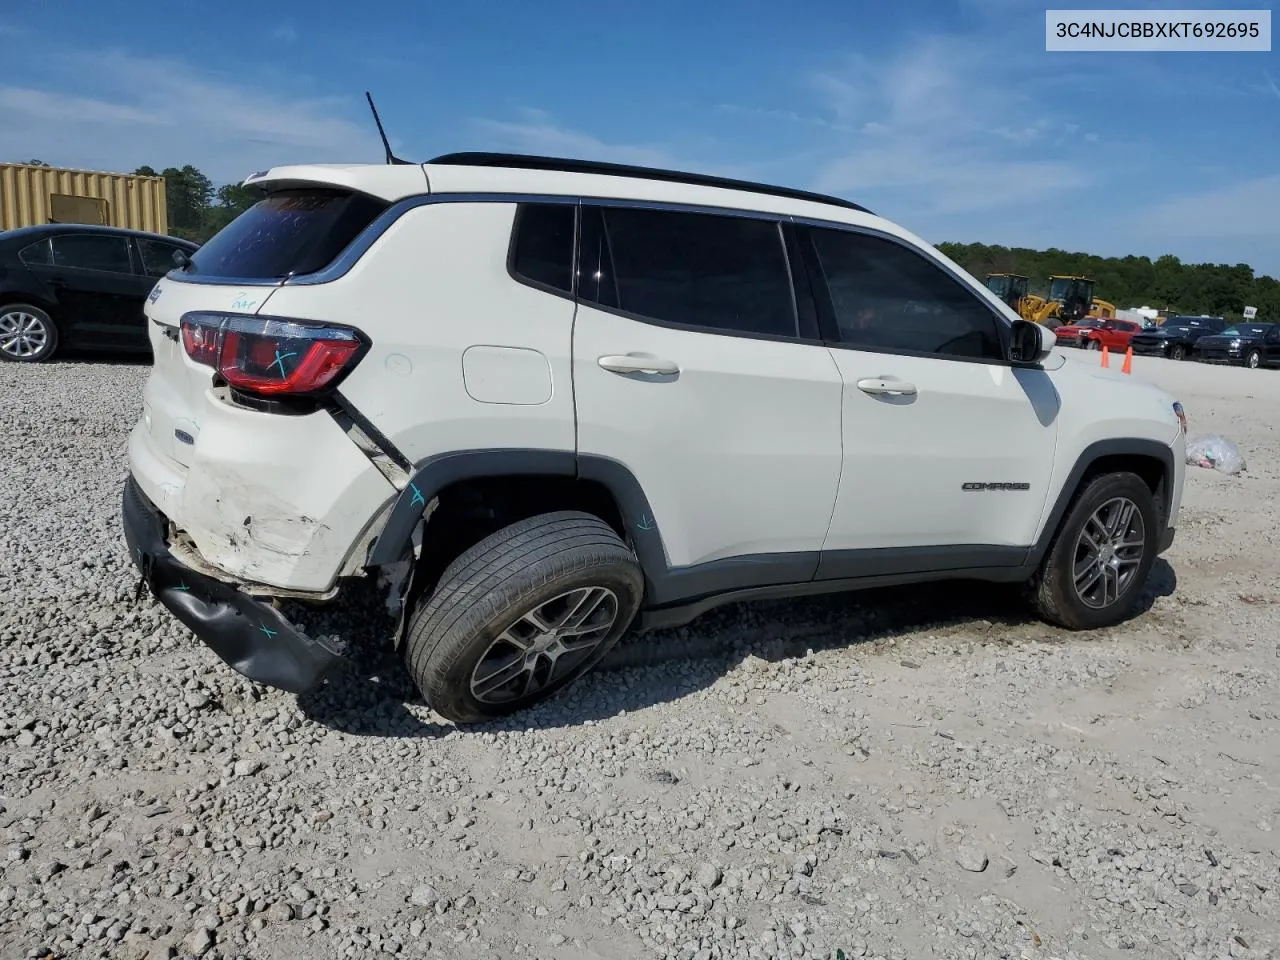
(1070, 299)
(1009, 287)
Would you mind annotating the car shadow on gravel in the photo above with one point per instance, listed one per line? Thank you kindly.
(373, 694)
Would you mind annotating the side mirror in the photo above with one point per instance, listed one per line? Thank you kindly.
(1030, 342)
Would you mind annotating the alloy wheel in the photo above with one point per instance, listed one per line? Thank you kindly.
(544, 645)
(1108, 552)
(22, 335)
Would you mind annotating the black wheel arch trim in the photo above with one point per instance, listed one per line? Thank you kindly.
(1113, 447)
(667, 586)
(432, 475)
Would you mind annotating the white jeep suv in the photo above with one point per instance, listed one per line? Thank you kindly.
(547, 401)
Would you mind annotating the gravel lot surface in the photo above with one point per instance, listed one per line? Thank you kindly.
(890, 774)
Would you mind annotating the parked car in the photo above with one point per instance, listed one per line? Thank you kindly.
(1176, 337)
(1112, 334)
(546, 401)
(1072, 334)
(1248, 344)
(72, 285)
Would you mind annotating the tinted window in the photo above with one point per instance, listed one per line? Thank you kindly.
(157, 256)
(543, 246)
(291, 231)
(86, 252)
(36, 255)
(887, 297)
(717, 272)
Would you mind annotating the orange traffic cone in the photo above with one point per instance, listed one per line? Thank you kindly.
(1106, 356)
(1128, 361)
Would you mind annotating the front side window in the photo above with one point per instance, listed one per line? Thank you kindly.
(887, 297)
(542, 248)
(720, 273)
(89, 252)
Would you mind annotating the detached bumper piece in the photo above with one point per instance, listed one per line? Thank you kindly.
(249, 635)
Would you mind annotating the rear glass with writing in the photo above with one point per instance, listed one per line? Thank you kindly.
(289, 232)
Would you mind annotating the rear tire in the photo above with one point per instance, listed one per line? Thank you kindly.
(27, 334)
(522, 614)
(1093, 573)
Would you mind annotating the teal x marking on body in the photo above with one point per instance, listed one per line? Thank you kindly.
(183, 587)
(279, 362)
(417, 496)
(268, 631)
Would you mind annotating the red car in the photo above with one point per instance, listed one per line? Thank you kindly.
(1112, 334)
(1095, 334)
(1072, 334)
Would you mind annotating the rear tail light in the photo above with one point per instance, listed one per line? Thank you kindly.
(271, 357)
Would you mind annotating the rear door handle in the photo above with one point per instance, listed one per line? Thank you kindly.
(630, 363)
(875, 385)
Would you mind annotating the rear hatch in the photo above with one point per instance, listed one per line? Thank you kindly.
(289, 233)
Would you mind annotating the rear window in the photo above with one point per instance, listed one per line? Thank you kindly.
(288, 232)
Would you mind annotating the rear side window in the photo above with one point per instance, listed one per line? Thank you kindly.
(720, 273)
(886, 297)
(157, 256)
(37, 254)
(288, 232)
(88, 252)
(542, 248)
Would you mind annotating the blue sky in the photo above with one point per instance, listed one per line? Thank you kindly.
(945, 115)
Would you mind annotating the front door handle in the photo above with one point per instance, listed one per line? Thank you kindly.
(630, 363)
(876, 385)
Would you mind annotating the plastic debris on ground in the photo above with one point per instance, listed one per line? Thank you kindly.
(1216, 453)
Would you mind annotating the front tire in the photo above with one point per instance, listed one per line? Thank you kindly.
(1179, 352)
(1094, 570)
(1095, 345)
(522, 614)
(27, 334)
(1253, 360)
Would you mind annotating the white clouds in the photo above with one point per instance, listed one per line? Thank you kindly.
(163, 112)
(943, 132)
(1249, 208)
(285, 33)
(537, 133)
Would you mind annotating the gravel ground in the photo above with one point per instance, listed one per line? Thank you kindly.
(866, 775)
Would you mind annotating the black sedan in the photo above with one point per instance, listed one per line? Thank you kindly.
(1177, 337)
(1249, 344)
(77, 286)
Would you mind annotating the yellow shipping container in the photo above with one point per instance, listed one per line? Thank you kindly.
(31, 195)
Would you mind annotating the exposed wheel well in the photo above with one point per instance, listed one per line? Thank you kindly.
(472, 509)
(1152, 470)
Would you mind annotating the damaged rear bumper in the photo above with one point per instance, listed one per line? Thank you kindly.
(250, 636)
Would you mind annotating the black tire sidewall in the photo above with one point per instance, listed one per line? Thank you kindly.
(444, 678)
(1068, 610)
(1179, 352)
(50, 347)
(1253, 359)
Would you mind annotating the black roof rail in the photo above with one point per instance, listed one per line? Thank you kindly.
(521, 161)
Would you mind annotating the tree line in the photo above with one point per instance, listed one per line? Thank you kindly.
(198, 209)
(1165, 283)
